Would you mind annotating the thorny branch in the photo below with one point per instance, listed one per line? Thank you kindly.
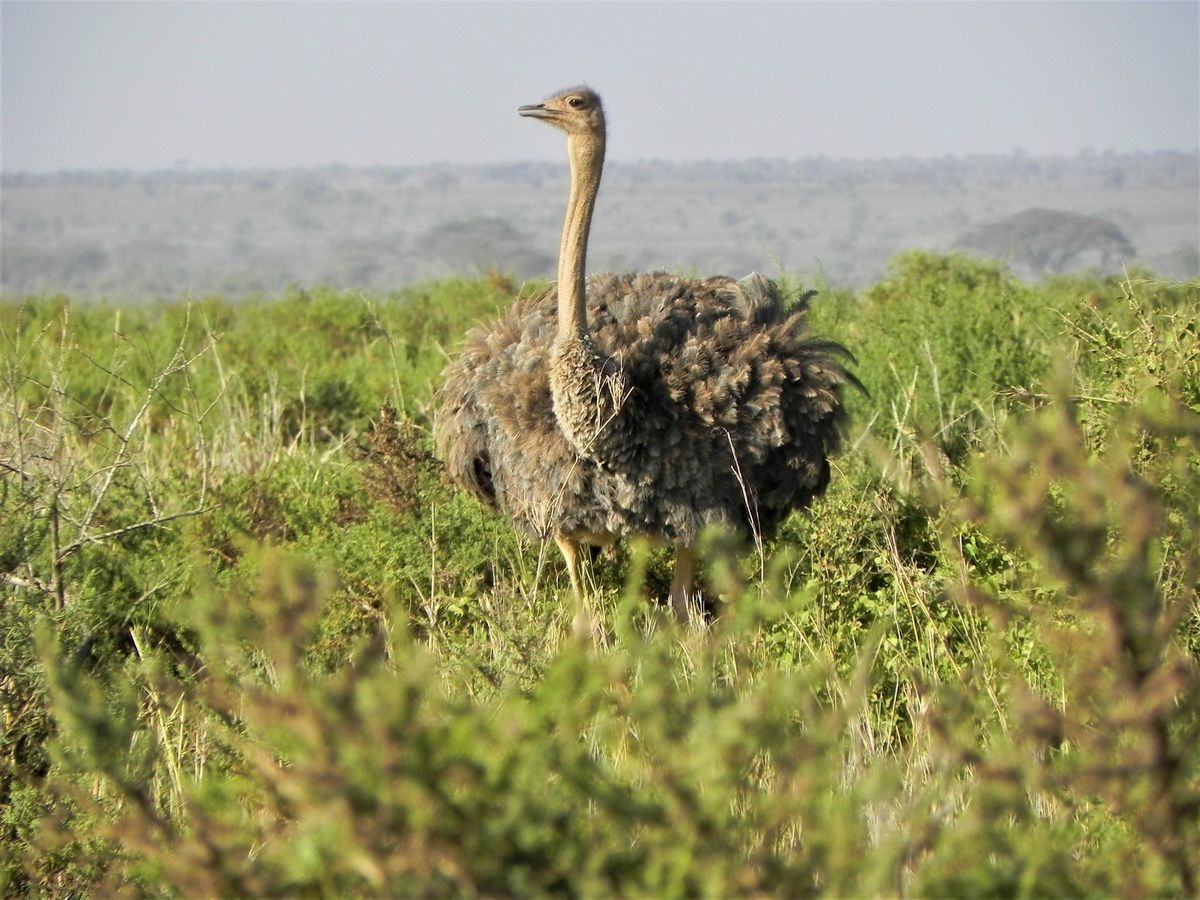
(103, 476)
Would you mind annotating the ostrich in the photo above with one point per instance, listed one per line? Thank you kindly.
(639, 404)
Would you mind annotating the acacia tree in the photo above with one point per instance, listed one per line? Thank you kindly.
(1050, 240)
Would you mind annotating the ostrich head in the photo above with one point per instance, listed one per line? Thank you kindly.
(577, 112)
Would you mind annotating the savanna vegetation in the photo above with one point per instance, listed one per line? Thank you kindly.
(252, 644)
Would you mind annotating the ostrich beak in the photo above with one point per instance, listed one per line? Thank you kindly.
(535, 111)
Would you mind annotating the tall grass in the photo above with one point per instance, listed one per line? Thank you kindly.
(252, 644)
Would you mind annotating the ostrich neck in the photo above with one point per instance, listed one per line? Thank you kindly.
(588, 388)
(586, 156)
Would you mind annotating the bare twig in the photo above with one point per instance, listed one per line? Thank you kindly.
(86, 539)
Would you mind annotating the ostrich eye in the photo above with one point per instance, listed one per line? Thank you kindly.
(576, 102)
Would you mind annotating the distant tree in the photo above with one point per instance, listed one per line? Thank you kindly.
(1049, 241)
(75, 266)
(482, 243)
(308, 188)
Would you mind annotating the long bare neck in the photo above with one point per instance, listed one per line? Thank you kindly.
(586, 156)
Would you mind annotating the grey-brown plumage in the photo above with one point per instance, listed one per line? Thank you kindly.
(643, 404)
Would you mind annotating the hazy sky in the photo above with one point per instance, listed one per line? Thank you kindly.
(155, 84)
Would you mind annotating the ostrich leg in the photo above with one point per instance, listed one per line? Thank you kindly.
(682, 583)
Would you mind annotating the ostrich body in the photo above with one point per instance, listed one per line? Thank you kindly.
(639, 404)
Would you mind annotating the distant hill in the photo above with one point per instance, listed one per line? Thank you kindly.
(134, 235)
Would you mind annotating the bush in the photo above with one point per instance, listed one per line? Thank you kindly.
(941, 336)
(284, 657)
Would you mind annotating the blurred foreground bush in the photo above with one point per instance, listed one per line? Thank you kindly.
(252, 644)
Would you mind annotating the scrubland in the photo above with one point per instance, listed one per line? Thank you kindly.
(251, 643)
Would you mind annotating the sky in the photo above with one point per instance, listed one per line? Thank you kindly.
(154, 85)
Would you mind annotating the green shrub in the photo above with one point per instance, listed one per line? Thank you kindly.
(941, 336)
(282, 656)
